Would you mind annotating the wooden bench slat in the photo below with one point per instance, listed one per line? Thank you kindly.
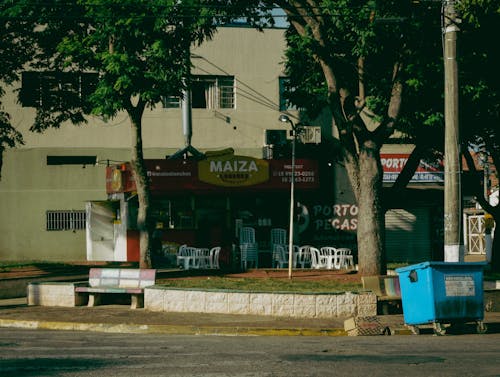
(109, 290)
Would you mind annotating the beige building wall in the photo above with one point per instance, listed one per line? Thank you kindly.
(29, 187)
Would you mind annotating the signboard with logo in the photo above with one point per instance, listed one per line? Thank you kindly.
(233, 171)
(225, 172)
(393, 163)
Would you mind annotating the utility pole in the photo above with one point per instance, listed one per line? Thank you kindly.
(453, 245)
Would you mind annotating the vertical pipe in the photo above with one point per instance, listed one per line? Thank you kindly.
(292, 204)
(187, 124)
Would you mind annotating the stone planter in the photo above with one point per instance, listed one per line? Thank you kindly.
(317, 305)
(55, 294)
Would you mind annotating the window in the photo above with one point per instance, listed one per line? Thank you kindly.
(208, 92)
(226, 92)
(66, 220)
(284, 83)
(57, 89)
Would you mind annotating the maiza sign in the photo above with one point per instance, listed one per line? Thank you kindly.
(231, 171)
(221, 172)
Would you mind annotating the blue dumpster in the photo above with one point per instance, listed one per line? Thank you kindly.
(442, 292)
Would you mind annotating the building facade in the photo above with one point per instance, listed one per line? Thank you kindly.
(236, 101)
(46, 182)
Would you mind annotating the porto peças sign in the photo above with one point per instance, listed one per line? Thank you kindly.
(233, 171)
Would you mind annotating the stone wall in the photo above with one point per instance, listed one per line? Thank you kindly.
(55, 294)
(324, 305)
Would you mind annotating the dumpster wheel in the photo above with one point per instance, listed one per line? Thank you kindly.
(481, 327)
(438, 328)
(414, 329)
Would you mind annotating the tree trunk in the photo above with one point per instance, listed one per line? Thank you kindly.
(371, 219)
(144, 225)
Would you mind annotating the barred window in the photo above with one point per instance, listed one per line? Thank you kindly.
(66, 220)
(208, 92)
(171, 102)
(57, 89)
(226, 92)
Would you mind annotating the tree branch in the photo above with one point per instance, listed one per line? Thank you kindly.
(386, 127)
(478, 190)
(361, 83)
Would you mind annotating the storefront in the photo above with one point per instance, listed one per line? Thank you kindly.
(413, 225)
(201, 203)
(205, 202)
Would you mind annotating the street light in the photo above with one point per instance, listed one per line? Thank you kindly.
(285, 118)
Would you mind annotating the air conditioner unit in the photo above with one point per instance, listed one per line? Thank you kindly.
(310, 135)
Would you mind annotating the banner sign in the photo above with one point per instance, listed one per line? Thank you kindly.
(393, 163)
(216, 173)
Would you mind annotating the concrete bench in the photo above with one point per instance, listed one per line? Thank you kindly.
(387, 290)
(118, 280)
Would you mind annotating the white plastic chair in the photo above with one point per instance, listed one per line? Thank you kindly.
(346, 259)
(249, 247)
(332, 256)
(247, 235)
(304, 257)
(201, 258)
(284, 255)
(278, 237)
(249, 255)
(317, 260)
(214, 257)
(281, 257)
(186, 257)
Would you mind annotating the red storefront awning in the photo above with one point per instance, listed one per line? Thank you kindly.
(216, 174)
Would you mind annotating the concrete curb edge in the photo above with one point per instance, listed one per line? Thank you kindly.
(169, 329)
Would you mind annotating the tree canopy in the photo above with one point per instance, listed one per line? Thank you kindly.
(369, 62)
(139, 51)
(15, 50)
(480, 95)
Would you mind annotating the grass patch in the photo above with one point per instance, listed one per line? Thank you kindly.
(261, 285)
(7, 266)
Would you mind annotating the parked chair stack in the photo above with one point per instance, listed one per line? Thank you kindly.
(198, 258)
(278, 238)
(318, 261)
(249, 248)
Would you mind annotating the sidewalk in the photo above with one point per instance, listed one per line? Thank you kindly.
(14, 312)
(120, 318)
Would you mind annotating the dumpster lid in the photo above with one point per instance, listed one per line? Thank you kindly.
(423, 265)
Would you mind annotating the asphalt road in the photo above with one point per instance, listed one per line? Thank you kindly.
(65, 353)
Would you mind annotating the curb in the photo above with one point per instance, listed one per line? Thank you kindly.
(169, 329)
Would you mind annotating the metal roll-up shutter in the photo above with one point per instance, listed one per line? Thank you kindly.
(407, 233)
